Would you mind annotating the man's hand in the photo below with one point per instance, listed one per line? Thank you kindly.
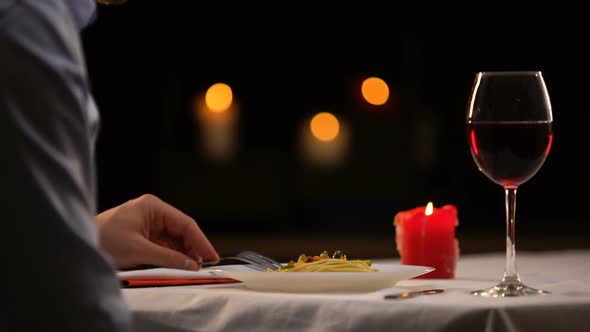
(148, 231)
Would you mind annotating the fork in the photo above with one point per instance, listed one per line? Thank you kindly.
(260, 259)
(255, 260)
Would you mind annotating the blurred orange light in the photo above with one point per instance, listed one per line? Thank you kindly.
(325, 126)
(375, 91)
(219, 97)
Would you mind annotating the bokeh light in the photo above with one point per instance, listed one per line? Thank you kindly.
(375, 91)
(325, 140)
(325, 126)
(215, 115)
(219, 97)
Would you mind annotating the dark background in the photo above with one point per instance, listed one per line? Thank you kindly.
(147, 60)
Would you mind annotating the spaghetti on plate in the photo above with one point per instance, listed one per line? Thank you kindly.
(326, 263)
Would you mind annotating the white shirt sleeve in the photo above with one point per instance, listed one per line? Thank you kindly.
(57, 278)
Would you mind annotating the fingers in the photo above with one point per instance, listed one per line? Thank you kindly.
(166, 218)
(154, 254)
(197, 244)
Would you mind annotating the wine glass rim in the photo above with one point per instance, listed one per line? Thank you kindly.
(508, 72)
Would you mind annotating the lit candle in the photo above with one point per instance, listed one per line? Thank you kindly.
(426, 236)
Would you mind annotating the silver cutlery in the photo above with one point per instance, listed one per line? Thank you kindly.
(254, 260)
(410, 294)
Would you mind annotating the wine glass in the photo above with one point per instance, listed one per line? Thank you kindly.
(509, 130)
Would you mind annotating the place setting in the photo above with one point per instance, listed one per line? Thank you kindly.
(325, 274)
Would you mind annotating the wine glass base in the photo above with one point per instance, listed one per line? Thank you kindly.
(509, 290)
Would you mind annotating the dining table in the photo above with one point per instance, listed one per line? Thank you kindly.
(565, 273)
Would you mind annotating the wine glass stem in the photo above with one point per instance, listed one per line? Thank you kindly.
(510, 274)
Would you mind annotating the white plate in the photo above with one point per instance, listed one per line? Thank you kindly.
(387, 276)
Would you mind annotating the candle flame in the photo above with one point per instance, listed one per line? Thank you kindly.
(429, 208)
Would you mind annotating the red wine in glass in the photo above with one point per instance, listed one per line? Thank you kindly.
(510, 152)
(509, 131)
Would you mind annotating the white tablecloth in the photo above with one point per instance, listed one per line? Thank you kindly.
(234, 308)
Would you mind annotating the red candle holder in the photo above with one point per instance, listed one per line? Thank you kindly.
(425, 236)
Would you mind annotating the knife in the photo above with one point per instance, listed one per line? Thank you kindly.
(409, 294)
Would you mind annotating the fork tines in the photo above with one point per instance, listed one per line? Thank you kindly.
(259, 259)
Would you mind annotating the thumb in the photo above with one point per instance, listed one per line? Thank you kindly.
(157, 255)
